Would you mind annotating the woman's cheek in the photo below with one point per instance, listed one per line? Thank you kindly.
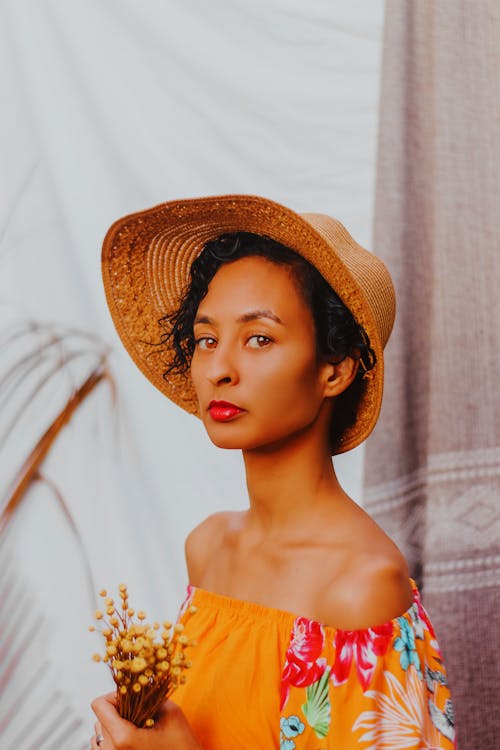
(285, 407)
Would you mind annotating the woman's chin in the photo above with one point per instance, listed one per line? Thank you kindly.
(229, 442)
(224, 439)
(224, 435)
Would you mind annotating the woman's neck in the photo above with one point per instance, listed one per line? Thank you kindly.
(290, 486)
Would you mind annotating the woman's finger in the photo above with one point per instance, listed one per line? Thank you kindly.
(111, 723)
(98, 735)
(96, 742)
(104, 706)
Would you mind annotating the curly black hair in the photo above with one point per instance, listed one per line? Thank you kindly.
(338, 335)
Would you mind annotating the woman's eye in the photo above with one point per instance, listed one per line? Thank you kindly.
(205, 342)
(258, 341)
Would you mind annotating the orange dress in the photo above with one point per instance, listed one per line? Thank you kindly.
(263, 679)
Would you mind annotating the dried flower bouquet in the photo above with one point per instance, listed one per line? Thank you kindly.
(145, 670)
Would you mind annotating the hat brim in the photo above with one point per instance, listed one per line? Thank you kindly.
(146, 260)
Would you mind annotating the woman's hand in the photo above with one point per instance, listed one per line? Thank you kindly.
(170, 732)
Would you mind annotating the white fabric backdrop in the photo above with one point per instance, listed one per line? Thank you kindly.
(109, 107)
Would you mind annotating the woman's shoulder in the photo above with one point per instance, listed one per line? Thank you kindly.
(205, 538)
(372, 590)
(369, 583)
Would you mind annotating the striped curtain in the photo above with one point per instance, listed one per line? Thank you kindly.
(433, 463)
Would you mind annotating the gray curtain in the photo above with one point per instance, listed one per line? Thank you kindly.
(433, 463)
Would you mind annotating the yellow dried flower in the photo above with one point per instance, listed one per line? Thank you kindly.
(96, 657)
(91, 628)
(103, 592)
(146, 664)
(138, 664)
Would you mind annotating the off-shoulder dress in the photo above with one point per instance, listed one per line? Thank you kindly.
(263, 678)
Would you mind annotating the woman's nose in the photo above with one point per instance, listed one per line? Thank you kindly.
(222, 367)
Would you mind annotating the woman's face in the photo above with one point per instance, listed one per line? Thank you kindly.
(255, 367)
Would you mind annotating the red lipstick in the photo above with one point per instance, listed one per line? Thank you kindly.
(222, 411)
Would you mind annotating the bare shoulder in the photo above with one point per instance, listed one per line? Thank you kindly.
(372, 591)
(203, 540)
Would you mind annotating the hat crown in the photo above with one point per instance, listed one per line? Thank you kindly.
(366, 268)
(146, 263)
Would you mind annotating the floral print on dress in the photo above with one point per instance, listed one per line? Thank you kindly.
(422, 615)
(187, 601)
(378, 688)
(403, 717)
(316, 709)
(290, 727)
(303, 665)
(363, 647)
(405, 644)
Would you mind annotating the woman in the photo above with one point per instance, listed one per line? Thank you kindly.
(310, 632)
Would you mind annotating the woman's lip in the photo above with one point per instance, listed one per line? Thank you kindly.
(221, 411)
(221, 404)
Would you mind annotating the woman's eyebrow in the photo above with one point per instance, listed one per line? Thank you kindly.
(245, 318)
(255, 314)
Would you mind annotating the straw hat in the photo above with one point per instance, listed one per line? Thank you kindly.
(146, 260)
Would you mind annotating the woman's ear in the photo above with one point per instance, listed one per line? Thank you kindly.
(339, 376)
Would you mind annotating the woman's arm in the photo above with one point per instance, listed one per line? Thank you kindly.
(170, 732)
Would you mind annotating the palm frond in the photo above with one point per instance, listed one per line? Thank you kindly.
(49, 372)
(32, 709)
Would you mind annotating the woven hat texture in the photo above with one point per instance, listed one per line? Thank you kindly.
(146, 259)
